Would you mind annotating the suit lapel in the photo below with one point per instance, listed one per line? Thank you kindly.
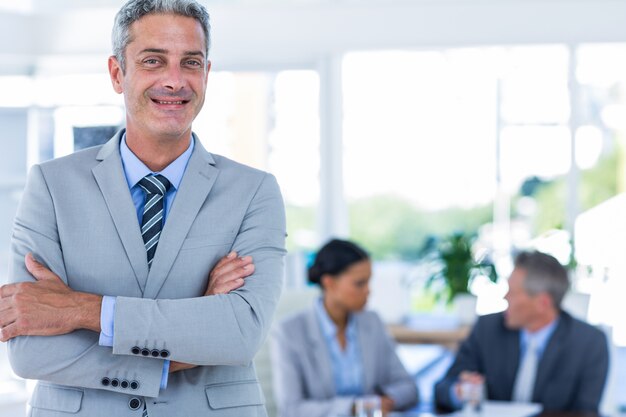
(550, 357)
(200, 175)
(320, 356)
(109, 174)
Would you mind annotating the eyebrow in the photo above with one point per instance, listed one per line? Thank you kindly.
(165, 51)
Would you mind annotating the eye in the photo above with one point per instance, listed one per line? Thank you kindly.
(193, 63)
(151, 61)
(361, 284)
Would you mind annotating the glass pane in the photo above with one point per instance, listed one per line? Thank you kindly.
(419, 154)
(535, 85)
(270, 121)
(533, 151)
(600, 231)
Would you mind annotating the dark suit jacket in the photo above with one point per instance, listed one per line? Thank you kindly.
(570, 376)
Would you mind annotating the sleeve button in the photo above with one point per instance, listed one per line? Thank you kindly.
(134, 403)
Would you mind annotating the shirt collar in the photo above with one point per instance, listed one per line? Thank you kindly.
(135, 170)
(329, 328)
(541, 336)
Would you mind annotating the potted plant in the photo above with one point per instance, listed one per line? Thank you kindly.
(452, 268)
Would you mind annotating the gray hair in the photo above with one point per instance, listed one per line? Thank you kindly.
(543, 274)
(134, 10)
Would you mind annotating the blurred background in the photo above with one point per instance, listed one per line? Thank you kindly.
(398, 124)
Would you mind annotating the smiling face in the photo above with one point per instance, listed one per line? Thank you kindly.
(165, 79)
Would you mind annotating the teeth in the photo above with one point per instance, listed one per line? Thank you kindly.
(170, 102)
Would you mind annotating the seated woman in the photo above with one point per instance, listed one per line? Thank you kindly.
(326, 357)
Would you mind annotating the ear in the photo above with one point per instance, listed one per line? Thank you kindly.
(327, 281)
(208, 69)
(117, 76)
(545, 301)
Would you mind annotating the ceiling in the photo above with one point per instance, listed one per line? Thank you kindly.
(63, 35)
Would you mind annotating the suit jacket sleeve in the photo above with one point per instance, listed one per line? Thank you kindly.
(467, 359)
(223, 329)
(75, 358)
(398, 384)
(289, 387)
(593, 378)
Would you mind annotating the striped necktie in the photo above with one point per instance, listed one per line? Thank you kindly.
(155, 187)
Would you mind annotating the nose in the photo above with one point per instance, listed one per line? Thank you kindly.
(173, 79)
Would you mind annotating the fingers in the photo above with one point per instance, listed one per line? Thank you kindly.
(472, 377)
(179, 366)
(236, 265)
(223, 284)
(225, 260)
(229, 274)
(7, 290)
(8, 332)
(37, 270)
(227, 286)
(7, 315)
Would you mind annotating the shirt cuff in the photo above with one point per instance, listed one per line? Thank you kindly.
(165, 374)
(454, 399)
(107, 318)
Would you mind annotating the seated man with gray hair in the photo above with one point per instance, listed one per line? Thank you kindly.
(534, 351)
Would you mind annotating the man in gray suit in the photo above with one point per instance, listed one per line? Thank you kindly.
(534, 351)
(136, 304)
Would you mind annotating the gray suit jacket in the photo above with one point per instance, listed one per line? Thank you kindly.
(571, 373)
(77, 216)
(302, 368)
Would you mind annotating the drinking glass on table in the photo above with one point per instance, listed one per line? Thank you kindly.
(368, 406)
(471, 392)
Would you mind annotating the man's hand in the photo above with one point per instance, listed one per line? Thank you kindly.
(473, 378)
(46, 307)
(227, 275)
(386, 404)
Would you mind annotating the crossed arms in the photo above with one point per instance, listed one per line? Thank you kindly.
(48, 307)
(53, 329)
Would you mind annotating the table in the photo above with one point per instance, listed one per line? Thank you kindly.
(567, 414)
(449, 338)
(542, 414)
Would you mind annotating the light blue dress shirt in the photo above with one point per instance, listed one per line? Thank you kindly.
(134, 171)
(541, 337)
(347, 364)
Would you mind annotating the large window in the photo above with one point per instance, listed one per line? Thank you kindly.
(480, 139)
(420, 136)
(432, 138)
(270, 120)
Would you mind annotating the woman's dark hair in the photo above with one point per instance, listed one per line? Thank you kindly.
(334, 258)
